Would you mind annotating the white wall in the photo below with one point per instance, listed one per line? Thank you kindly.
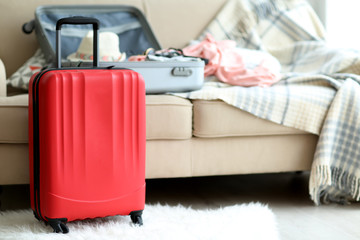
(342, 23)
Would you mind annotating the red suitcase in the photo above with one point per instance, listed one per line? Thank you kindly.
(86, 141)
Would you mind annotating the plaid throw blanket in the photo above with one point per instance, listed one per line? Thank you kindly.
(318, 93)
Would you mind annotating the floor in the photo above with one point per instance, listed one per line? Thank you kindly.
(285, 193)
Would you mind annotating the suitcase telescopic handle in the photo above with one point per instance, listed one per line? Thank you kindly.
(78, 21)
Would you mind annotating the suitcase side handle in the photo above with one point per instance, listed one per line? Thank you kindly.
(78, 21)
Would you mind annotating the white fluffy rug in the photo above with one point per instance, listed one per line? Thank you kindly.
(246, 221)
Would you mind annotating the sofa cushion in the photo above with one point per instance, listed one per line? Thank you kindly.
(21, 78)
(14, 119)
(167, 117)
(219, 119)
(175, 25)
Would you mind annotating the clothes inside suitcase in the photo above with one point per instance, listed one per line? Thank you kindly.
(135, 36)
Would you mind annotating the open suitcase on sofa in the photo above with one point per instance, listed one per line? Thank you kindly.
(86, 142)
(135, 37)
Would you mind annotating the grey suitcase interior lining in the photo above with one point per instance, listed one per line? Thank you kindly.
(127, 22)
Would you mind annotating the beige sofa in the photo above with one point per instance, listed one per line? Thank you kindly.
(184, 138)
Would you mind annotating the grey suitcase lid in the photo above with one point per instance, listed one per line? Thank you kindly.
(127, 22)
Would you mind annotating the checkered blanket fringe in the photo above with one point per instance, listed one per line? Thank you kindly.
(318, 93)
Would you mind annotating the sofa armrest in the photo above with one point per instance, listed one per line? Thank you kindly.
(2, 80)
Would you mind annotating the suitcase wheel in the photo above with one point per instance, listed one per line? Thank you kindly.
(59, 225)
(136, 217)
(28, 27)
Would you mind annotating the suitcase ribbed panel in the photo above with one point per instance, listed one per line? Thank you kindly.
(92, 143)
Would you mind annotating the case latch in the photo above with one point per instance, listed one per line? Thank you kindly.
(181, 72)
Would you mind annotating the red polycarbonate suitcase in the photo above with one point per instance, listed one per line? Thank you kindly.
(87, 142)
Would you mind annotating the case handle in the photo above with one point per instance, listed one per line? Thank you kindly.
(29, 27)
(78, 21)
